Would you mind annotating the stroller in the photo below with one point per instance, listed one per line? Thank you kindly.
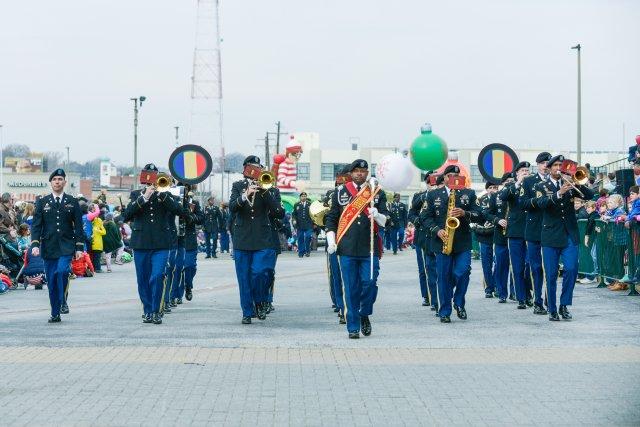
(11, 260)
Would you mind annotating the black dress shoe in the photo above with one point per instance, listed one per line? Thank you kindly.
(521, 305)
(271, 307)
(554, 317)
(307, 254)
(434, 308)
(38, 287)
(157, 319)
(538, 309)
(208, 256)
(246, 320)
(64, 309)
(365, 325)
(564, 313)
(178, 301)
(462, 313)
(445, 319)
(173, 303)
(354, 335)
(341, 320)
(512, 297)
(489, 295)
(262, 314)
(55, 319)
(502, 301)
(529, 302)
(188, 294)
(335, 309)
(146, 318)
(214, 256)
(395, 252)
(425, 302)
(167, 309)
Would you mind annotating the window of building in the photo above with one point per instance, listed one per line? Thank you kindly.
(303, 171)
(326, 172)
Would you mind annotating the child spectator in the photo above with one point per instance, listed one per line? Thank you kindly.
(602, 199)
(634, 199)
(615, 209)
(112, 241)
(24, 237)
(409, 235)
(33, 271)
(590, 240)
(97, 245)
(82, 266)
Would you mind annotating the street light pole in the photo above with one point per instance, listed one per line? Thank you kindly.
(68, 162)
(579, 147)
(135, 129)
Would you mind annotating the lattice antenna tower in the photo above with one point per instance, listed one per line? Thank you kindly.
(206, 84)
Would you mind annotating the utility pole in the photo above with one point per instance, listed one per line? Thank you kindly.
(623, 132)
(277, 134)
(579, 147)
(267, 162)
(141, 99)
(68, 162)
(176, 128)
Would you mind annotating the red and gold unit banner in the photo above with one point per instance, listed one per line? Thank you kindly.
(353, 209)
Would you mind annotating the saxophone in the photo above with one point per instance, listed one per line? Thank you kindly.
(451, 223)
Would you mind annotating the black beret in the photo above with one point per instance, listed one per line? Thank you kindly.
(426, 176)
(505, 177)
(358, 164)
(488, 184)
(451, 169)
(150, 167)
(57, 172)
(522, 165)
(543, 157)
(440, 179)
(345, 170)
(303, 194)
(255, 160)
(558, 158)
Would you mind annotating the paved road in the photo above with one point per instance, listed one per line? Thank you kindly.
(201, 366)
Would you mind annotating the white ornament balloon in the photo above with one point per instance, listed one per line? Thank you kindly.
(394, 172)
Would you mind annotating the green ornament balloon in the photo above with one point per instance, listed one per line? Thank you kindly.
(428, 151)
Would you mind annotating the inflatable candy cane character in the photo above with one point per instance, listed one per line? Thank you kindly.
(287, 173)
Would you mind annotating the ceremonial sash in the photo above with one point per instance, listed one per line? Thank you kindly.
(359, 203)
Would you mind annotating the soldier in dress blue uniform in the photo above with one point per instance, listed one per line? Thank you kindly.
(559, 237)
(57, 235)
(175, 260)
(484, 235)
(212, 224)
(151, 240)
(417, 203)
(224, 228)
(533, 228)
(495, 213)
(188, 245)
(277, 227)
(253, 251)
(516, 220)
(303, 225)
(333, 264)
(453, 270)
(360, 289)
(398, 222)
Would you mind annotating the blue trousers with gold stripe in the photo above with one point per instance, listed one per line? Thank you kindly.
(453, 272)
(335, 280)
(360, 290)
(534, 253)
(57, 272)
(551, 258)
(518, 256)
(502, 270)
(254, 270)
(150, 268)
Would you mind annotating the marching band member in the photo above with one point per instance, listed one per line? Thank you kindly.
(397, 223)
(454, 269)
(559, 237)
(335, 276)
(417, 203)
(304, 226)
(515, 231)
(188, 246)
(57, 234)
(349, 234)
(277, 227)
(150, 240)
(253, 251)
(484, 235)
(213, 223)
(496, 212)
(175, 260)
(533, 228)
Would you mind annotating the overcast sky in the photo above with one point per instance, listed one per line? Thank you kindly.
(479, 71)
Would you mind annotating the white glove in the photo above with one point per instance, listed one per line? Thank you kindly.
(331, 242)
(377, 216)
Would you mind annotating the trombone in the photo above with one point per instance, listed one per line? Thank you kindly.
(265, 181)
(579, 177)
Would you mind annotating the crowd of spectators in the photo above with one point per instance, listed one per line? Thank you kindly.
(106, 242)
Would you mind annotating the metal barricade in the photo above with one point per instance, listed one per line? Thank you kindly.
(612, 241)
(585, 262)
(634, 257)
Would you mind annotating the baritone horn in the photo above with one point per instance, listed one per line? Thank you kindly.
(317, 212)
(163, 182)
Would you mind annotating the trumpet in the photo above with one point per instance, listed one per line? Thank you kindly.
(265, 181)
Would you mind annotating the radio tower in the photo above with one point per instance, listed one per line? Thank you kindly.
(206, 85)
